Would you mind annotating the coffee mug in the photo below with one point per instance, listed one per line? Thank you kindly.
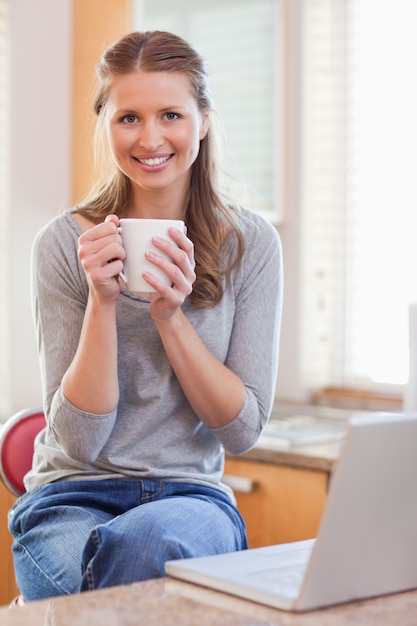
(137, 236)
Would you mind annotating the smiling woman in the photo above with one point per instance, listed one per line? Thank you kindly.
(143, 393)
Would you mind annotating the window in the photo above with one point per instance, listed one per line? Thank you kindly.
(359, 195)
(242, 43)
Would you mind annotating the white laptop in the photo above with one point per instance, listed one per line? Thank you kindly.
(367, 541)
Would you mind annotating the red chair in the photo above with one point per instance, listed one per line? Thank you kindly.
(17, 438)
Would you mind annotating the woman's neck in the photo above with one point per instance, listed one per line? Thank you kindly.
(158, 204)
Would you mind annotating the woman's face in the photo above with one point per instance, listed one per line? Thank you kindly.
(154, 128)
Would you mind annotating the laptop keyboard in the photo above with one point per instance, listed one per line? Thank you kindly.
(286, 580)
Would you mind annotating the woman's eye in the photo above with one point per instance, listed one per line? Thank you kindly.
(130, 118)
(171, 116)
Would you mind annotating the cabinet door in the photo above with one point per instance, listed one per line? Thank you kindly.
(284, 503)
(8, 589)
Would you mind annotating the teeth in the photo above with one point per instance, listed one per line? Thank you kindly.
(153, 162)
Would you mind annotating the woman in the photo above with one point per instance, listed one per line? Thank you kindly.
(142, 395)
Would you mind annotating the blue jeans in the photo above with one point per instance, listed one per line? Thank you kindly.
(73, 536)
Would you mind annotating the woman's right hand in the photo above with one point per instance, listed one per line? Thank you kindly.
(101, 253)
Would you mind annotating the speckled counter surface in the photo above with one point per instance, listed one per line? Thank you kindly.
(314, 456)
(167, 602)
(319, 457)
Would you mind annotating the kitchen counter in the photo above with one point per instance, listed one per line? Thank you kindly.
(170, 602)
(311, 457)
(280, 446)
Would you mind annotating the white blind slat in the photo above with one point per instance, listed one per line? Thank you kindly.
(324, 50)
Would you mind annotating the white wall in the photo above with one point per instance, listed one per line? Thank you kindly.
(39, 163)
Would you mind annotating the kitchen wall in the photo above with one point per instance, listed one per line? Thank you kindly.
(39, 163)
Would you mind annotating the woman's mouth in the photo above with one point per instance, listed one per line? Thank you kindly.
(154, 161)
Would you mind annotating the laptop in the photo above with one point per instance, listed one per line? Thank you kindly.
(367, 540)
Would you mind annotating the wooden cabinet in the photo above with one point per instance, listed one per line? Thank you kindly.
(8, 589)
(284, 503)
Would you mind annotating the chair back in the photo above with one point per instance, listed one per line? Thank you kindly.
(17, 437)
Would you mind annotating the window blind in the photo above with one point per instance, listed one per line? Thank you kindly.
(4, 178)
(359, 198)
(324, 142)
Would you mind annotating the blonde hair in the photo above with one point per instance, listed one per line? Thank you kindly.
(210, 218)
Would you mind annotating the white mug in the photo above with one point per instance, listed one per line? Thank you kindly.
(137, 236)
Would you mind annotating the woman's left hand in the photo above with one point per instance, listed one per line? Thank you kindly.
(168, 300)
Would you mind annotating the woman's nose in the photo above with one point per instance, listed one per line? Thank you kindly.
(150, 137)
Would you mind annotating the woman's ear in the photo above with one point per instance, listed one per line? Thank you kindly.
(205, 120)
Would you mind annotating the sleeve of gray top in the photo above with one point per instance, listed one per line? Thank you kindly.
(253, 352)
(59, 296)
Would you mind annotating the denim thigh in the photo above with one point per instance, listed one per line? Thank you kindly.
(51, 525)
(177, 521)
(78, 535)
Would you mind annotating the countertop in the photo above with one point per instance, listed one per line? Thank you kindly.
(319, 455)
(168, 602)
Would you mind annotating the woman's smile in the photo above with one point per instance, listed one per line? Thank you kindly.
(155, 163)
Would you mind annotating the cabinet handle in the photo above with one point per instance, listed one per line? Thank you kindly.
(239, 484)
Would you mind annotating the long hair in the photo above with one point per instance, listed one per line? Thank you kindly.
(210, 218)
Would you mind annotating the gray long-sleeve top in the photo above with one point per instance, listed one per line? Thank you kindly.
(153, 433)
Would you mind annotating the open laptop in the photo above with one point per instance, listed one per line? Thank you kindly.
(367, 541)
